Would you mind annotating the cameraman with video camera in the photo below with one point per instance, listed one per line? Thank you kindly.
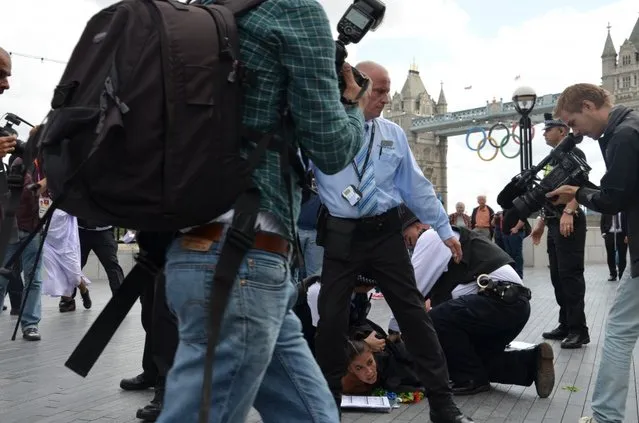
(261, 358)
(7, 144)
(589, 111)
(566, 248)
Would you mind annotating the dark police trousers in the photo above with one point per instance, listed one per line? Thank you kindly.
(474, 330)
(376, 244)
(566, 258)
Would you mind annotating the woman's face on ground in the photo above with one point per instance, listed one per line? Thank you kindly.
(365, 368)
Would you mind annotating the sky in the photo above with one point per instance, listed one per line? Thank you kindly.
(550, 44)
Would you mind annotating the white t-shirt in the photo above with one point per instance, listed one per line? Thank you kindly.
(430, 260)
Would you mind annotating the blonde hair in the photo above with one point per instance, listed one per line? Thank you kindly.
(572, 98)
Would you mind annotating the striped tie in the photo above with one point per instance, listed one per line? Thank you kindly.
(368, 204)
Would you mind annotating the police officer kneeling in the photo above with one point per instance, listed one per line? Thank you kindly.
(479, 306)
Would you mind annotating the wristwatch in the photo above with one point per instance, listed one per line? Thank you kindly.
(569, 211)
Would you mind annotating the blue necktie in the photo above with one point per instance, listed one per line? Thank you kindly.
(368, 204)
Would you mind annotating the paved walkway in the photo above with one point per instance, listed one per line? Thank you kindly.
(35, 387)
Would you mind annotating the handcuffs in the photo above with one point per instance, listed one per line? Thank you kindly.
(505, 292)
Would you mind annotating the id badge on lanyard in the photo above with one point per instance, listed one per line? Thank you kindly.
(351, 193)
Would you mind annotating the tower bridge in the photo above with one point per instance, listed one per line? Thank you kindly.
(458, 123)
(428, 124)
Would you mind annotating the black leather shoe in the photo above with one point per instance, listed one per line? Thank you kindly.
(612, 278)
(448, 414)
(557, 333)
(138, 383)
(545, 374)
(575, 340)
(86, 299)
(151, 411)
(469, 388)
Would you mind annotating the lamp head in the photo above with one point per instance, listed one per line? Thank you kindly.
(524, 98)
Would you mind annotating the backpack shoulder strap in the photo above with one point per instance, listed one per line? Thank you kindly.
(239, 7)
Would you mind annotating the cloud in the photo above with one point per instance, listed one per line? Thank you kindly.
(550, 50)
(44, 29)
(422, 19)
(555, 47)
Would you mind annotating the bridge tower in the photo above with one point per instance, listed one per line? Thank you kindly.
(620, 72)
(430, 151)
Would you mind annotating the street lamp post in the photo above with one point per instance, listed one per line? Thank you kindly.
(525, 99)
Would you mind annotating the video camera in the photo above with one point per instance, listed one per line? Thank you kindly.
(361, 16)
(7, 130)
(526, 193)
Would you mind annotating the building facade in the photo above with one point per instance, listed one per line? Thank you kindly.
(430, 150)
(620, 71)
(620, 76)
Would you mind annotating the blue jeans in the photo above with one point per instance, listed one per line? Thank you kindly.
(622, 332)
(313, 253)
(514, 246)
(33, 306)
(261, 360)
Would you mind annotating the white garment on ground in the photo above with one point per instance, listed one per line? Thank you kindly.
(61, 256)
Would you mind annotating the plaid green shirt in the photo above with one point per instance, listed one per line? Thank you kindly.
(288, 45)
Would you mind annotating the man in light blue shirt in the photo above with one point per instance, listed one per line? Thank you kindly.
(360, 229)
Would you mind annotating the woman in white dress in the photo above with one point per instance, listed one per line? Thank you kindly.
(61, 257)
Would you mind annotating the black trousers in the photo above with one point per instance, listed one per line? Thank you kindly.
(380, 249)
(615, 244)
(159, 323)
(105, 246)
(474, 330)
(566, 257)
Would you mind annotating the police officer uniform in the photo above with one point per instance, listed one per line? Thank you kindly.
(566, 258)
(479, 306)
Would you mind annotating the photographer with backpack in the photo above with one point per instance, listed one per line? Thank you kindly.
(261, 359)
(205, 107)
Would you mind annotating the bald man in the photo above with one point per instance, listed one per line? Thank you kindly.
(7, 144)
(360, 229)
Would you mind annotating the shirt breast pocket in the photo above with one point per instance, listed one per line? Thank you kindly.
(389, 157)
(386, 167)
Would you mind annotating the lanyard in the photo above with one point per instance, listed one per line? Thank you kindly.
(360, 175)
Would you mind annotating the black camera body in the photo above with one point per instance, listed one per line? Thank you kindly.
(526, 193)
(7, 130)
(360, 17)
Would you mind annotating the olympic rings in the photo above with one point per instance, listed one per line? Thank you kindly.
(487, 137)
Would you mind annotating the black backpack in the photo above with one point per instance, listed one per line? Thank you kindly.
(146, 133)
(145, 127)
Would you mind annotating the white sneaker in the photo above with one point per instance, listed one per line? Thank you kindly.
(587, 420)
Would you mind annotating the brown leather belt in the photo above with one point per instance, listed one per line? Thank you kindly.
(264, 241)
